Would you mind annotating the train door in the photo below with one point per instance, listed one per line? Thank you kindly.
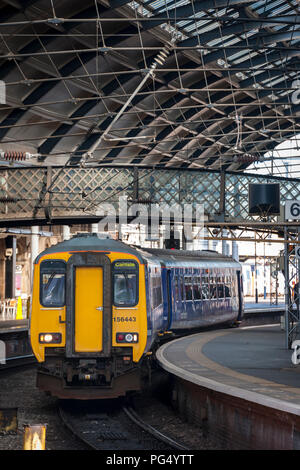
(88, 309)
(88, 306)
(240, 296)
(169, 294)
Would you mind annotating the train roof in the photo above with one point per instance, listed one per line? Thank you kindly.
(96, 242)
(90, 242)
(186, 256)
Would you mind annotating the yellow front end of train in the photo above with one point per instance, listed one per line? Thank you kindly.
(88, 325)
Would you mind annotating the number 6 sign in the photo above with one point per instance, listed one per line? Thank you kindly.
(292, 210)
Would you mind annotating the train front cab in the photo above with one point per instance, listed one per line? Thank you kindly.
(88, 323)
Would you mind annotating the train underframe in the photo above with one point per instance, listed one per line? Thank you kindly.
(92, 378)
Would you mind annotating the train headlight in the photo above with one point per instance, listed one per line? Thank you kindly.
(50, 338)
(127, 337)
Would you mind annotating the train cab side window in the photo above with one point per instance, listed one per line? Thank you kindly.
(52, 283)
(125, 283)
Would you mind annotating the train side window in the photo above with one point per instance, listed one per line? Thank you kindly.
(52, 283)
(125, 283)
(182, 288)
(197, 288)
(176, 287)
(156, 292)
(228, 287)
(205, 288)
(213, 287)
(220, 287)
(188, 288)
(235, 285)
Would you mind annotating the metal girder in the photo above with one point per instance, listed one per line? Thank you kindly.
(238, 25)
(291, 275)
(198, 129)
(191, 9)
(243, 232)
(79, 192)
(198, 5)
(239, 28)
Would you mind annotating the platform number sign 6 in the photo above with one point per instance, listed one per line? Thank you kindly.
(296, 353)
(292, 210)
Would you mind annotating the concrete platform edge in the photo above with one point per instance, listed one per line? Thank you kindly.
(223, 388)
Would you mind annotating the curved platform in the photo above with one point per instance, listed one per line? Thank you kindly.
(251, 363)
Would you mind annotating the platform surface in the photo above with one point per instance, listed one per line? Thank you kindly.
(251, 363)
(10, 326)
(251, 307)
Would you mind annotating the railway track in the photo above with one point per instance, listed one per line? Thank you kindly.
(113, 426)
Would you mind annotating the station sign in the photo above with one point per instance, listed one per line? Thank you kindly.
(292, 210)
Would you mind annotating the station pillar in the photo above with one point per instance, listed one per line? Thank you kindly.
(34, 246)
(225, 244)
(2, 268)
(10, 267)
(66, 232)
(235, 251)
(95, 228)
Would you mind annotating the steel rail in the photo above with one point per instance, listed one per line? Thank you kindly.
(133, 417)
(151, 430)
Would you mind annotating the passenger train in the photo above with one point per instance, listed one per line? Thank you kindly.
(101, 307)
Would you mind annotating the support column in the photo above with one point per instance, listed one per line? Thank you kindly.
(34, 247)
(10, 267)
(95, 228)
(235, 251)
(205, 243)
(184, 244)
(66, 232)
(224, 243)
(2, 268)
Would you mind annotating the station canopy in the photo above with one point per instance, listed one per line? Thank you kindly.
(208, 84)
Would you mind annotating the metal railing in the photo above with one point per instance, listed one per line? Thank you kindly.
(57, 192)
(9, 309)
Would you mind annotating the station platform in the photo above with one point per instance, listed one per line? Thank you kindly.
(9, 326)
(251, 363)
(259, 307)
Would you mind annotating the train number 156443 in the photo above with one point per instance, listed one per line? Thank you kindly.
(124, 319)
